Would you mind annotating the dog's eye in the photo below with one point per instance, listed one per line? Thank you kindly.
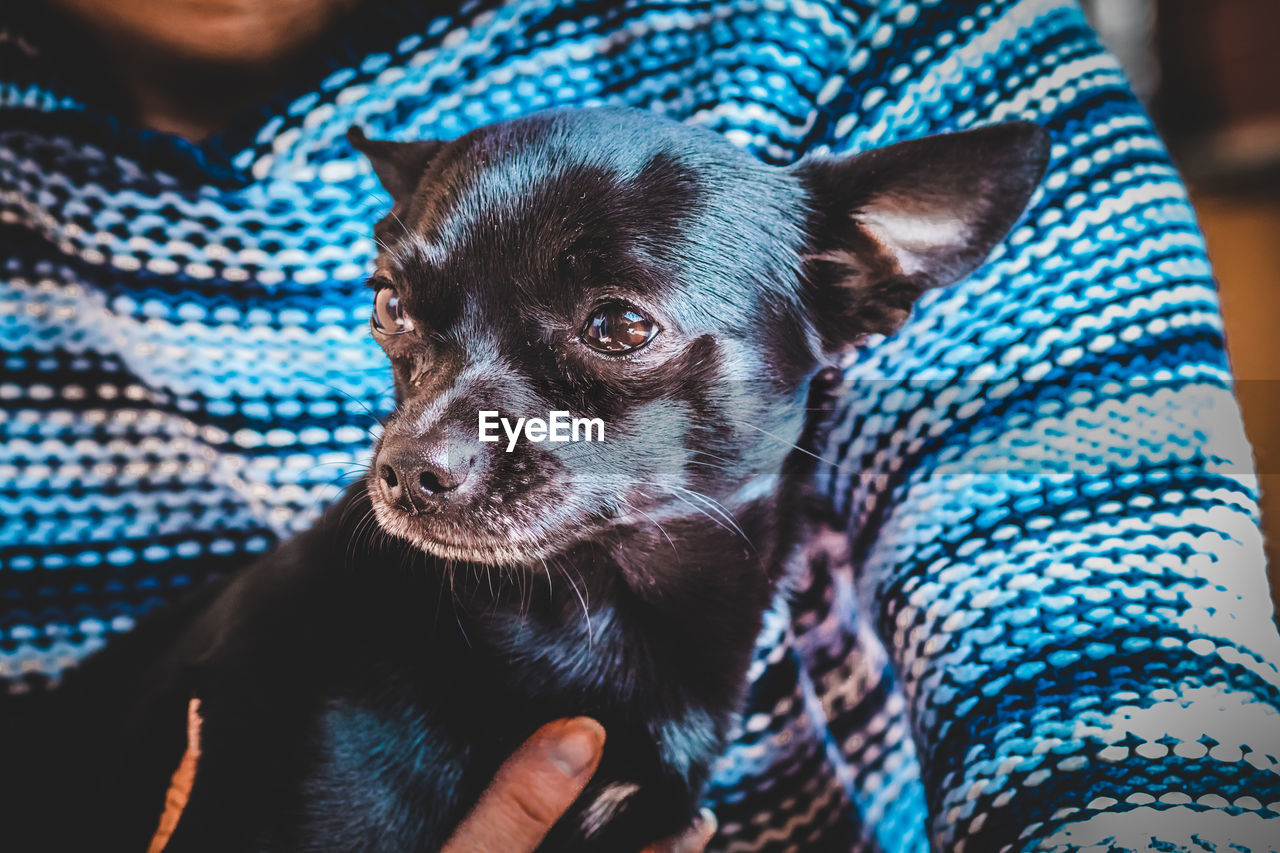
(388, 317)
(616, 328)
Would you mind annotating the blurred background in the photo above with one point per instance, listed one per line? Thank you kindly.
(1209, 72)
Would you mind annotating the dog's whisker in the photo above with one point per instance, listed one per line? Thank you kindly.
(550, 582)
(726, 469)
(724, 515)
(364, 232)
(701, 452)
(321, 488)
(361, 403)
(655, 523)
(834, 464)
(586, 611)
(702, 511)
(358, 531)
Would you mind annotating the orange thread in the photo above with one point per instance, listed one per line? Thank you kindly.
(175, 799)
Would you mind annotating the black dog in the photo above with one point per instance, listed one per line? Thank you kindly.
(361, 684)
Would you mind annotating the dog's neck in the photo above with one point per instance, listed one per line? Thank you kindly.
(641, 606)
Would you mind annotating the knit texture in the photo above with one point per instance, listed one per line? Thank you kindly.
(1039, 620)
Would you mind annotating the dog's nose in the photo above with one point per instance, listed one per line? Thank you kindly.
(413, 471)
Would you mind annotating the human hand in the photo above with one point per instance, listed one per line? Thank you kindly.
(538, 784)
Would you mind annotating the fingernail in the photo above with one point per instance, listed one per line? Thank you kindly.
(577, 746)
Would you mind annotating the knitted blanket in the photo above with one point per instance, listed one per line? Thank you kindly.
(1038, 620)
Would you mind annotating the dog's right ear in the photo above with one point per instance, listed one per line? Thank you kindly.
(398, 165)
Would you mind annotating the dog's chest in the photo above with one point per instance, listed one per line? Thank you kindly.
(398, 761)
(383, 775)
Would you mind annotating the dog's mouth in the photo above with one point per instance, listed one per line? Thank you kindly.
(473, 536)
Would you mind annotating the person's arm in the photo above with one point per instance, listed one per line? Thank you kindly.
(1047, 484)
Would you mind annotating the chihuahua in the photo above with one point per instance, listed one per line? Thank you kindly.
(360, 685)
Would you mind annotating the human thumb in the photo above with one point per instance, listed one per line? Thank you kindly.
(532, 789)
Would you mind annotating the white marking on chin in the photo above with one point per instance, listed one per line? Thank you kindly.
(514, 553)
(607, 803)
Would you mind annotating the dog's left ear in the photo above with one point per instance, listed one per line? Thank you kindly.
(398, 165)
(891, 223)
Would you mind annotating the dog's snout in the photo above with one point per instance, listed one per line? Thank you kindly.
(445, 466)
(412, 471)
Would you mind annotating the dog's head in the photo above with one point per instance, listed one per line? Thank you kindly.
(653, 279)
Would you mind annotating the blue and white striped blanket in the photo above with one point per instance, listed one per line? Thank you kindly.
(1040, 619)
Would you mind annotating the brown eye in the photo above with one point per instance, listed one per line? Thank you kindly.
(617, 328)
(388, 317)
